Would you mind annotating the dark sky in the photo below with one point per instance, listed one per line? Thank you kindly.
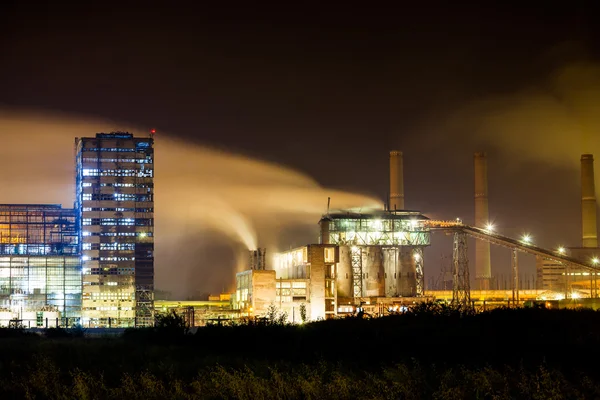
(329, 90)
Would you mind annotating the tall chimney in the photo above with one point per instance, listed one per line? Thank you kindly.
(588, 202)
(396, 181)
(483, 269)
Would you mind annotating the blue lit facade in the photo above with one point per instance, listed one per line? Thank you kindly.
(40, 266)
(115, 204)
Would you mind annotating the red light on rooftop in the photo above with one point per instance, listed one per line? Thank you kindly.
(153, 131)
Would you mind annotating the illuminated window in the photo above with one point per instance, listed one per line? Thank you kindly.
(329, 254)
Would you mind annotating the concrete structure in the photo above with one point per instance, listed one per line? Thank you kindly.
(554, 276)
(396, 181)
(40, 267)
(115, 202)
(588, 202)
(483, 269)
(255, 292)
(306, 275)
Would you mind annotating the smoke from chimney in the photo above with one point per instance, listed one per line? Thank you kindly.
(396, 181)
(483, 269)
(588, 202)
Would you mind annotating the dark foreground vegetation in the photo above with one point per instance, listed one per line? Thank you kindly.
(431, 353)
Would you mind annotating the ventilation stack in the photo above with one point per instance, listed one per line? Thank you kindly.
(483, 270)
(396, 181)
(588, 202)
(257, 259)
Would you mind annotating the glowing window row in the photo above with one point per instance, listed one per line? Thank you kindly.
(118, 172)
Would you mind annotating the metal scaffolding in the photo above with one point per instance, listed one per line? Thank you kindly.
(461, 290)
(419, 272)
(144, 306)
(356, 260)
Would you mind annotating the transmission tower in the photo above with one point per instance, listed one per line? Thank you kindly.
(461, 290)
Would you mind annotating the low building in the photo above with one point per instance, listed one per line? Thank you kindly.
(40, 267)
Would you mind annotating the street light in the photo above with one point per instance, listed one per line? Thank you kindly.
(561, 250)
(595, 260)
(526, 239)
(489, 227)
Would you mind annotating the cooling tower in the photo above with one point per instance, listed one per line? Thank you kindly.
(483, 270)
(588, 202)
(396, 181)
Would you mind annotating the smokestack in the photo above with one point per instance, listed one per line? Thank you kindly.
(588, 202)
(483, 269)
(396, 181)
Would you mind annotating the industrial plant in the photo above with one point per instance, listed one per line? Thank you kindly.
(94, 264)
(375, 262)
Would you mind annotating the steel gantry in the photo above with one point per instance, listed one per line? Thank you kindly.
(461, 289)
(419, 271)
(356, 260)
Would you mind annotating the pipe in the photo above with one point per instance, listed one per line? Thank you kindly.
(483, 269)
(396, 181)
(588, 202)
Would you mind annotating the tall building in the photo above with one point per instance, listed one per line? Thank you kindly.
(40, 266)
(115, 202)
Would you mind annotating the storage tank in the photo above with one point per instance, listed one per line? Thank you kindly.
(390, 271)
(407, 276)
(373, 274)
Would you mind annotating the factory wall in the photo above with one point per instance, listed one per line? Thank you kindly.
(263, 290)
(317, 282)
(373, 272)
(345, 286)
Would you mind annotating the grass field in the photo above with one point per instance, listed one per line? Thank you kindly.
(432, 353)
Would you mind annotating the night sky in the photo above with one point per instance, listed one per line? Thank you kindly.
(329, 90)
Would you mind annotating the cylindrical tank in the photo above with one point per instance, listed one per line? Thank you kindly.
(373, 274)
(390, 271)
(396, 181)
(483, 269)
(588, 202)
(344, 273)
(407, 277)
